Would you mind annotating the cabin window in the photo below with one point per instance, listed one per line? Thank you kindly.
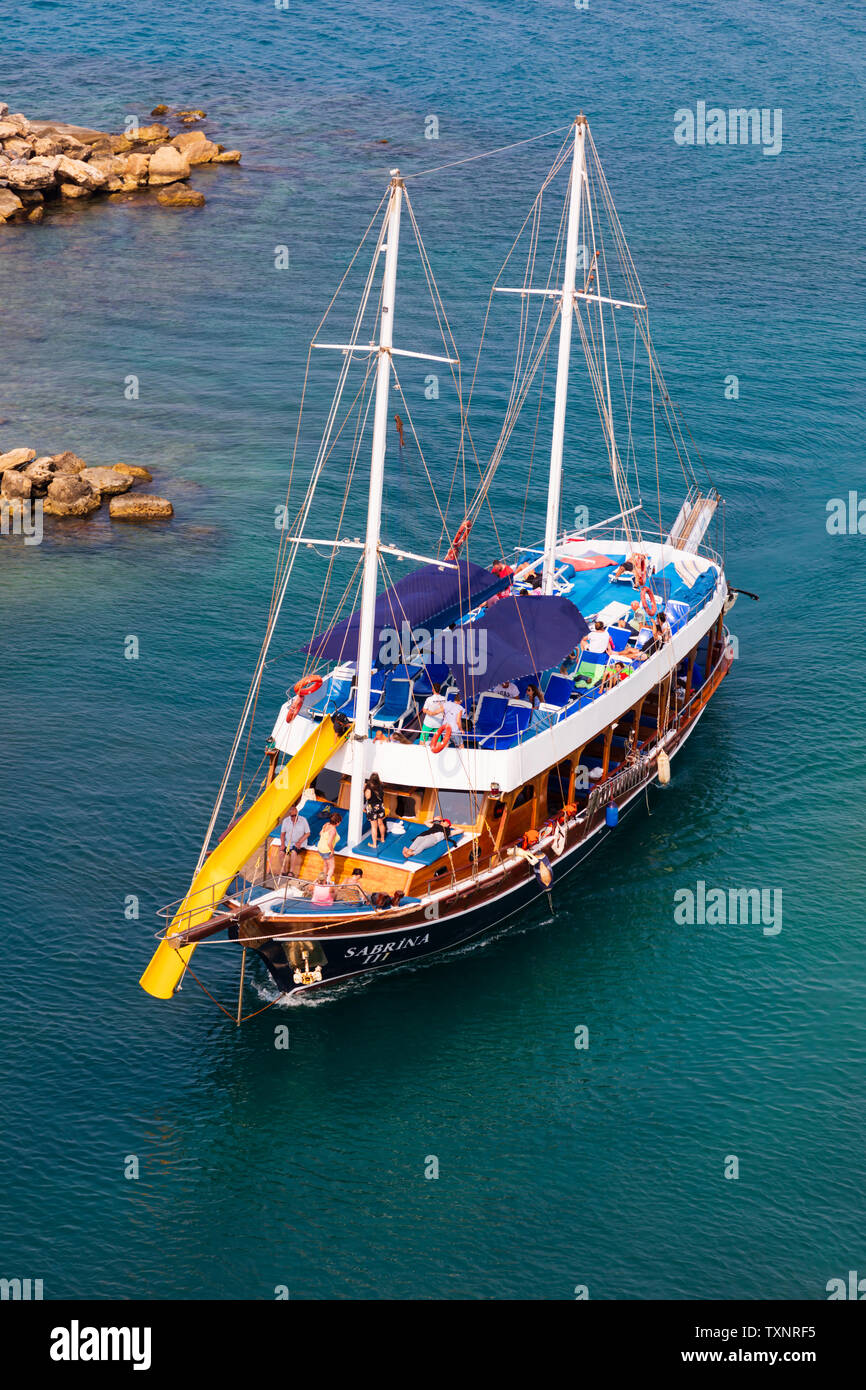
(406, 807)
(525, 794)
(558, 780)
(327, 785)
(461, 808)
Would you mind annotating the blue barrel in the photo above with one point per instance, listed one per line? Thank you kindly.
(611, 816)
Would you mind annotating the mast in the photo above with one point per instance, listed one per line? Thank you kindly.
(554, 490)
(366, 631)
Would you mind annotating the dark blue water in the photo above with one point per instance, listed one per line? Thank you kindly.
(557, 1167)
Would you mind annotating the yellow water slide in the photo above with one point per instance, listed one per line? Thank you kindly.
(216, 873)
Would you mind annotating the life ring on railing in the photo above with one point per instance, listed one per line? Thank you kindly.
(294, 708)
(648, 600)
(638, 560)
(307, 686)
(441, 738)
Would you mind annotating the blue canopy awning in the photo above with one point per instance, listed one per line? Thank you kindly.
(429, 597)
(519, 635)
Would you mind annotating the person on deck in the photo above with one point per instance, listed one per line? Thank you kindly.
(430, 835)
(597, 639)
(662, 633)
(323, 892)
(327, 843)
(374, 808)
(637, 619)
(294, 834)
(433, 714)
(507, 688)
(533, 696)
(453, 717)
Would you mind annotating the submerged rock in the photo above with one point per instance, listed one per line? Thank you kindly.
(140, 506)
(159, 111)
(133, 470)
(180, 195)
(227, 157)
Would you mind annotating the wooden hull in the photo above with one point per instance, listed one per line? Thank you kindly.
(323, 953)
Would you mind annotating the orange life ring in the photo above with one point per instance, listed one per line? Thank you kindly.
(294, 708)
(441, 738)
(648, 600)
(307, 685)
(639, 571)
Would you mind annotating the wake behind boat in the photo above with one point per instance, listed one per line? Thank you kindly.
(461, 738)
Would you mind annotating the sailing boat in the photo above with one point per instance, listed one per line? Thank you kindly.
(469, 733)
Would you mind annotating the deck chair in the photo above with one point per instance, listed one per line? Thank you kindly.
(335, 693)
(490, 714)
(517, 719)
(396, 706)
(620, 637)
(377, 687)
(560, 690)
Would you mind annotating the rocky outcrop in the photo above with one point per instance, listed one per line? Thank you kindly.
(140, 506)
(45, 161)
(63, 485)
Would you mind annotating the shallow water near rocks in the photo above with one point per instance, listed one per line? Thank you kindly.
(305, 1167)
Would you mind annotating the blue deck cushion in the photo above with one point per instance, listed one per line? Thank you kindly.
(560, 689)
(391, 852)
(620, 637)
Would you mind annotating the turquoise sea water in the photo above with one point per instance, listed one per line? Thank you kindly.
(306, 1167)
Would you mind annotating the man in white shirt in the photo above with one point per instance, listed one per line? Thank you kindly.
(294, 833)
(507, 688)
(597, 639)
(453, 716)
(434, 713)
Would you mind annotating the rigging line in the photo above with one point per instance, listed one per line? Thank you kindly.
(360, 427)
(487, 154)
(357, 398)
(557, 164)
(417, 441)
(310, 351)
(287, 568)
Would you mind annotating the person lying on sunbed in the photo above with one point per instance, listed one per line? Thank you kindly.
(431, 835)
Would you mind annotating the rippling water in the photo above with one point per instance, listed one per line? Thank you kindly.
(305, 1167)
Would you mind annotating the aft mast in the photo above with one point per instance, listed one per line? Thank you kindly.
(366, 630)
(554, 491)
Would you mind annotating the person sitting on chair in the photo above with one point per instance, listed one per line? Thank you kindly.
(294, 833)
(507, 688)
(597, 640)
